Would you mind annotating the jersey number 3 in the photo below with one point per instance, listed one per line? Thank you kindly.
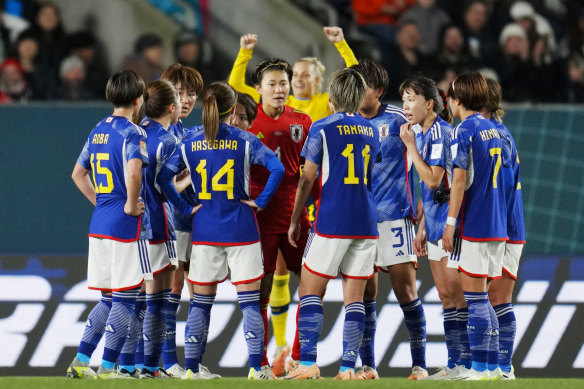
(226, 169)
(348, 153)
(96, 168)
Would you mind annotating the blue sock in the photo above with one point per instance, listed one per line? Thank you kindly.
(253, 326)
(169, 357)
(94, 328)
(118, 325)
(310, 321)
(479, 325)
(367, 349)
(493, 355)
(352, 334)
(507, 331)
(140, 351)
(127, 358)
(416, 324)
(206, 335)
(199, 310)
(154, 329)
(465, 353)
(451, 336)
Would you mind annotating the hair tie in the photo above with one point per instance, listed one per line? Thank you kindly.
(230, 108)
(443, 97)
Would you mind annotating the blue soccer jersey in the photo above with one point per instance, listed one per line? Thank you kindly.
(161, 146)
(110, 146)
(512, 182)
(220, 174)
(393, 177)
(477, 148)
(434, 147)
(346, 148)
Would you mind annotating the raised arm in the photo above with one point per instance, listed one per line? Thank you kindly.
(247, 43)
(335, 35)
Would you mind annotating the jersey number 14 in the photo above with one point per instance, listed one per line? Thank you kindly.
(226, 170)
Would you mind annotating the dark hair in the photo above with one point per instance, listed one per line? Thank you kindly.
(219, 100)
(123, 88)
(269, 64)
(374, 74)
(158, 96)
(427, 88)
(249, 105)
(186, 76)
(493, 105)
(471, 90)
(146, 41)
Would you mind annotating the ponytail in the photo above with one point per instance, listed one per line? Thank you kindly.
(210, 118)
(445, 113)
(218, 102)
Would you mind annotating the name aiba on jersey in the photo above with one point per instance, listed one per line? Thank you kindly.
(45, 305)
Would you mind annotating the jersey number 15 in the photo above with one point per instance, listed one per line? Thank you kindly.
(96, 168)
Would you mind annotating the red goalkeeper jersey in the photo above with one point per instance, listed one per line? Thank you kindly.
(285, 136)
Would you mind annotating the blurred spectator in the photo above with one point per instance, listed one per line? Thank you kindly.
(72, 75)
(147, 58)
(10, 27)
(12, 82)
(404, 58)
(452, 59)
(190, 49)
(481, 40)
(49, 33)
(84, 46)
(377, 18)
(426, 13)
(27, 49)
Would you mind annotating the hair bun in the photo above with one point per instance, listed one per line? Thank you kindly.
(146, 96)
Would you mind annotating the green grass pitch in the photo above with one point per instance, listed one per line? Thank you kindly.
(237, 383)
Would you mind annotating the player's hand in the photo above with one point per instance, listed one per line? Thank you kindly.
(183, 174)
(407, 135)
(195, 209)
(252, 204)
(294, 233)
(420, 243)
(248, 41)
(334, 34)
(448, 238)
(134, 209)
(419, 211)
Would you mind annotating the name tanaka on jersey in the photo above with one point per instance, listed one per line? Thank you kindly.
(350, 130)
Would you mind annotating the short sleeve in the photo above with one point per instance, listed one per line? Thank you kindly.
(312, 149)
(83, 158)
(439, 149)
(136, 147)
(461, 144)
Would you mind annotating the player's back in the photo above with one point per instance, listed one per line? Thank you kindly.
(477, 147)
(350, 148)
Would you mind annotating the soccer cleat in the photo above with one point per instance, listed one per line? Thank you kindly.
(366, 373)
(291, 364)
(126, 374)
(417, 372)
(347, 375)
(206, 373)
(192, 375)
(303, 372)
(474, 375)
(455, 373)
(78, 369)
(508, 375)
(440, 375)
(108, 374)
(176, 371)
(262, 374)
(160, 373)
(279, 364)
(496, 374)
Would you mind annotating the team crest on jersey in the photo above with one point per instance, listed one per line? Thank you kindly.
(383, 130)
(296, 132)
(143, 149)
(425, 152)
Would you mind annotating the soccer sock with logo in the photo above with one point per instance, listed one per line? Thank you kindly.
(169, 357)
(479, 324)
(367, 349)
(465, 353)
(197, 326)
(253, 326)
(94, 328)
(416, 324)
(127, 359)
(507, 331)
(310, 322)
(493, 356)
(352, 334)
(153, 330)
(279, 303)
(264, 304)
(451, 336)
(118, 325)
(206, 334)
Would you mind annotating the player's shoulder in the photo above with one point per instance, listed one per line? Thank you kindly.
(297, 114)
(393, 111)
(440, 129)
(326, 121)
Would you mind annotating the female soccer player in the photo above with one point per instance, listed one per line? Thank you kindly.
(246, 111)
(426, 108)
(477, 204)
(501, 290)
(346, 147)
(114, 154)
(219, 158)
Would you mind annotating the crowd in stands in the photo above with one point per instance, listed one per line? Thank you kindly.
(534, 48)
